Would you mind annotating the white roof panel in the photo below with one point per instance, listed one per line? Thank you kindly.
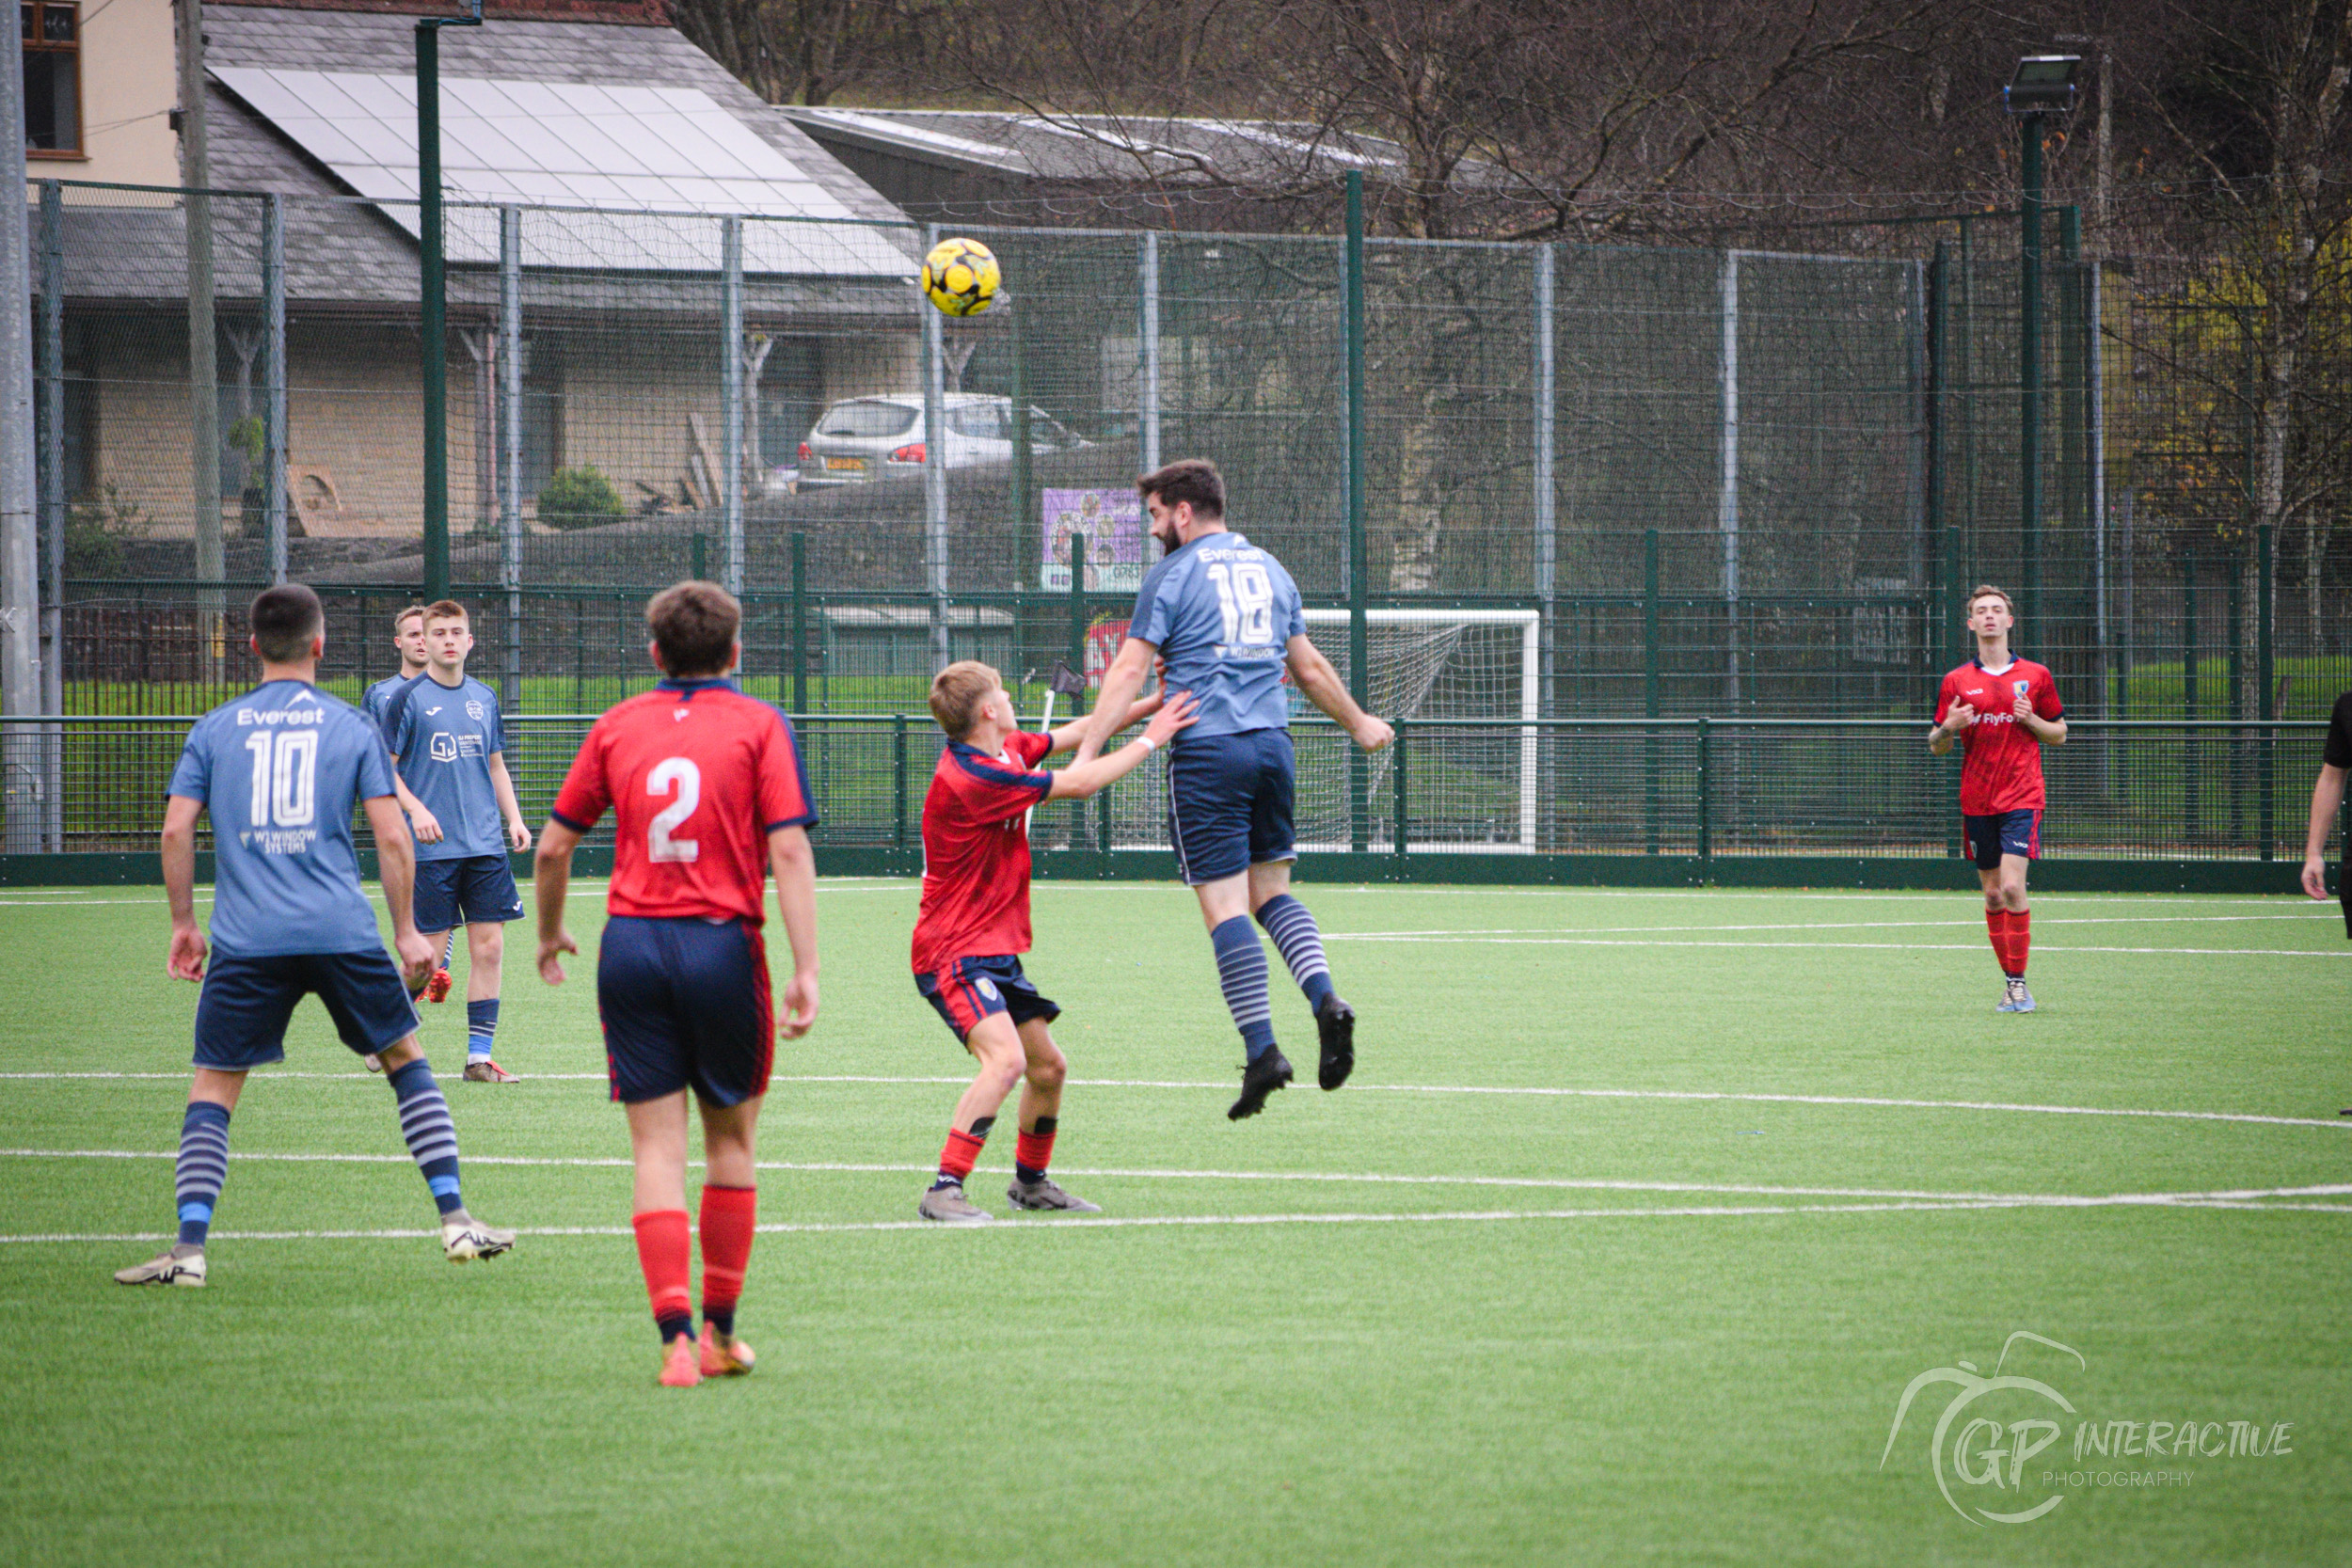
(625, 148)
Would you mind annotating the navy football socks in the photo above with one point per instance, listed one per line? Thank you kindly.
(203, 1166)
(1240, 969)
(1296, 936)
(432, 1136)
(482, 1027)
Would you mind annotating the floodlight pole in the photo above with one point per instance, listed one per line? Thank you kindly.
(432, 304)
(2030, 379)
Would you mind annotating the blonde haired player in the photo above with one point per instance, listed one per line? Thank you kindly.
(973, 925)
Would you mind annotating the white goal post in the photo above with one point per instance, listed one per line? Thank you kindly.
(1421, 668)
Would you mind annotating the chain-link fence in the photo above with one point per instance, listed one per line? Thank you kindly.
(1746, 482)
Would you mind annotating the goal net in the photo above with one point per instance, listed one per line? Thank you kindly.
(1470, 783)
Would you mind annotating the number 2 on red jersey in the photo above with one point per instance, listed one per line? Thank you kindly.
(681, 774)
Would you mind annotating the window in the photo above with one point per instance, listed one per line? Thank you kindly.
(869, 418)
(53, 78)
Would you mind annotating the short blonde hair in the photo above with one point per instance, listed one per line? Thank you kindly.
(401, 618)
(1986, 590)
(957, 693)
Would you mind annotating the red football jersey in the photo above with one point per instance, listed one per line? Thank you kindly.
(697, 775)
(976, 852)
(2001, 765)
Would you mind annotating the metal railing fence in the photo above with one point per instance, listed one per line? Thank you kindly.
(1703, 787)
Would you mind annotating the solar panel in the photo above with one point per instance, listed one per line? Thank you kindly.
(573, 144)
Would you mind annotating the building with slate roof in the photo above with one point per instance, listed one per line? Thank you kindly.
(621, 365)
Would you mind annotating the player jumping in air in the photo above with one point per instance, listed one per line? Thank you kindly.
(408, 641)
(708, 794)
(1226, 619)
(279, 770)
(2003, 710)
(449, 743)
(974, 924)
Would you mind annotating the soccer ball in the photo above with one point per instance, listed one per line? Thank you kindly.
(960, 276)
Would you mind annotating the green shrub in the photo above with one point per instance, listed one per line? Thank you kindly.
(95, 527)
(579, 497)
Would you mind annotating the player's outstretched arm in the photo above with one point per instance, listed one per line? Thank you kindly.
(396, 869)
(1065, 736)
(1120, 683)
(552, 882)
(502, 785)
(185, 959)
(2326, 800)
(1322, 687)
(1081, 780)
(793, 863)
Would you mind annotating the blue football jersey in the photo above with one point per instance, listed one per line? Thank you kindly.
(444, 737)
(279, 770)
(1222, 612)
(378, 697)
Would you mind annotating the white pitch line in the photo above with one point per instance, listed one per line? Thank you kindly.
(1166, 1221)
(2327, 915)
(2044, 948)
(1535, 1091)
(1372, 1179)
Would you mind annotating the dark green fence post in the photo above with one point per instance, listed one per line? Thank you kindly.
(2265, 694)
(1707, 836)
(1396, 778)
(2235, 750)
(2190, 770)
(1649, 691)
(899, 778)
(1359, 653)
(579, 655)
(698, 554)
(800, 622)
(1077, 661)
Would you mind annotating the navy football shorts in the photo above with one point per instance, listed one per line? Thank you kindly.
(476, 888)
(2007, 833)
(241, 1017)
(1229, 802)
(970, 989)
(685, 1005)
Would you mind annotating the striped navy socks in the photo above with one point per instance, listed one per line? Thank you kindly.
(1293, 928)
(203, 1166)
(432, 1136)
(1240, 969)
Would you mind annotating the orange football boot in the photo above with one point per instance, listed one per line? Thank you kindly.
(681, 1363)
(724, 1356)
(437, 988)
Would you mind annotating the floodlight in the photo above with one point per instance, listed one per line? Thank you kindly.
(2045, 83)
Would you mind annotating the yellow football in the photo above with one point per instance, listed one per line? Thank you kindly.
(960, 276)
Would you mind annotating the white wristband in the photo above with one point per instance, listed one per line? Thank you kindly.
(1148, 744)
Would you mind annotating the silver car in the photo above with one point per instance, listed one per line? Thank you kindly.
(865, 439)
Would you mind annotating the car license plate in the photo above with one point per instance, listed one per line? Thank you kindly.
(856, 463)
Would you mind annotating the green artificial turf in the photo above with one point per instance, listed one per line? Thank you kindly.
(1408, 1371)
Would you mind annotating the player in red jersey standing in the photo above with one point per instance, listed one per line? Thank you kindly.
(974, 924)
(708, 794)
(2003, 710)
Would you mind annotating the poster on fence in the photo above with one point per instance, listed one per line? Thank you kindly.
(1112, 521)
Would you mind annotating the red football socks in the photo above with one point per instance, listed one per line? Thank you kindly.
(1032, 1152)
(730, 1218)
(962, 1151)
(2013, 936)
(663, 1252)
